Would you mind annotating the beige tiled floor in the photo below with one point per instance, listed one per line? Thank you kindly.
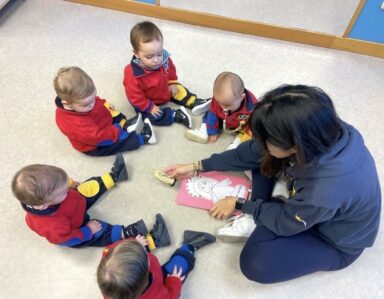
(37, 37)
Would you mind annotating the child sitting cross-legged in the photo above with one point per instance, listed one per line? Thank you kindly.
(229, 111)
(128, 271)
(92, 124)
(150, 80)
(56, 207)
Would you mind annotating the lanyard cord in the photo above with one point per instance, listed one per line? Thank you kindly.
(225, 123)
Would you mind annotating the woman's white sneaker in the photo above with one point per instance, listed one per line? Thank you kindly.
(238, 229)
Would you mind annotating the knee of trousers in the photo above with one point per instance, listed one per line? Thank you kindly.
(253, 266)
(188, 256)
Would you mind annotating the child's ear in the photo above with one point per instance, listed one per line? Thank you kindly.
(66, 104)
(243, 96)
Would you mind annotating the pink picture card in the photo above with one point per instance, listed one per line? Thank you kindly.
(206, 189)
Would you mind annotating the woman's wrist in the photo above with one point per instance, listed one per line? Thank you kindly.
(197, 168)
(201, 168)
(239, 204)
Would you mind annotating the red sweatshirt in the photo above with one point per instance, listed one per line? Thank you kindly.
(63, 226)
(145, 87)
(87, 130)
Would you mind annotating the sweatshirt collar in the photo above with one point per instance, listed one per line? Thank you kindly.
(48, 211)
(140, 70)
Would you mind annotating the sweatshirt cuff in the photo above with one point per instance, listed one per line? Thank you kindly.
(213, 131)
(149, 108)
(252, 208)
(206, 165)
(87, 234)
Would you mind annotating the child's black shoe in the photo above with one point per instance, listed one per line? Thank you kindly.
(159, 232)
(200, 106)
(198, 239)
(119, 171)
(148, 133)
(134, 124)
(134, 229)
(181, 116)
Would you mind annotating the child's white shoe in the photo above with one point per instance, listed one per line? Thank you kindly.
(198, 135)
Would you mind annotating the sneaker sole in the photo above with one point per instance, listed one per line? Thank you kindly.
(167, 239)
(142, 227)
(124, 173)
(191, 234)
(138, 126)
(192, 136)
(151, 140)
(182, 108)
(232, 239)
(201, 108)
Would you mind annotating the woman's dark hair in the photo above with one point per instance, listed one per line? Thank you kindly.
(296, 116)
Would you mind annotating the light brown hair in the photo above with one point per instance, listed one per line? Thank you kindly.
(234, 81)
(73, 84)
(144, 32)
(123, 273)
(33, 184)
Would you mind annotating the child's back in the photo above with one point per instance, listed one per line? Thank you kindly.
(57, 207)
(91, 124)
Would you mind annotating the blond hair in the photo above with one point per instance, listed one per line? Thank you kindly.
(32, 185)
(73, 84)
(229, 79)
(144, 32)
(123, 273)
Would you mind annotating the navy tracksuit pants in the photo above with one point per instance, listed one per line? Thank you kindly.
(268, 258)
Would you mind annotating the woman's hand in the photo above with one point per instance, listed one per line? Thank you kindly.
(223, 208)
(174, 90)
(179, 171)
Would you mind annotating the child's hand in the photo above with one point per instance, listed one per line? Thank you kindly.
(75, 185)
(213, 138)
(173, 89)
(179, 171)
(72, 184)
(177, 273)
(142, 240)
(156, 111)
(94, 226)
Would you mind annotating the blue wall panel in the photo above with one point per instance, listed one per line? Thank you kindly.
(369, 25)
